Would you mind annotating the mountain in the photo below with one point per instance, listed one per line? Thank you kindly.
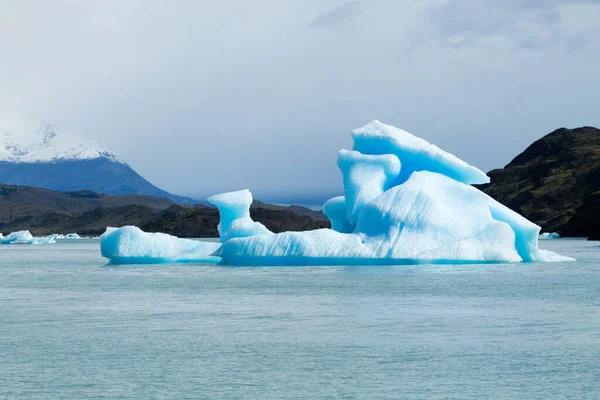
(22, 201)
(555, 182)
(44, 212)
(40, 156)
(300, 210)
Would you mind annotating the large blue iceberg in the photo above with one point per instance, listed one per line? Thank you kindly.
(405, 201)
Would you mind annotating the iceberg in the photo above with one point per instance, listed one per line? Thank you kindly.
(44, 240)
(131, 245)
(548, 235)
(68, 236)
(405, 201)
(25, 237)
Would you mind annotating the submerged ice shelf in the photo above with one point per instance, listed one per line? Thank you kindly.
(405, 201)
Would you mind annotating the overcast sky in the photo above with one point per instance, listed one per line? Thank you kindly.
(205, 96)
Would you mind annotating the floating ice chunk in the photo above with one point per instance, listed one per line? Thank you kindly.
(428, 219)
(335, 209)
(415, 154)
(547, 235)
(44, 240)
(406, 202)
(231, 205)
(68, 236)
(20, 237)
(365, 178)
(25, 237)
(131, 245)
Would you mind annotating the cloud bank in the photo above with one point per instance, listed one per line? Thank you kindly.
(216, 96)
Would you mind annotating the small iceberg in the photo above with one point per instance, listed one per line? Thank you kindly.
(25, 237)
(69, 236)
(547, 235)
(405, 201)
(131, 245)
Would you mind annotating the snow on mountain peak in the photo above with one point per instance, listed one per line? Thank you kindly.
(22, 143)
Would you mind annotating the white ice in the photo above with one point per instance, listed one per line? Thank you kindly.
(415, 154)
(405, 201)
(335, 209)
(68, 236)
(25, 237)
(548, 235)
(130, 245)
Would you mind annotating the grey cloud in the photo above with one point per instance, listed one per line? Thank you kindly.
(532, 43)
(342, 13)
(539, 42)
(575, 44)
(208, 97)
(547, 16)
(526, 24)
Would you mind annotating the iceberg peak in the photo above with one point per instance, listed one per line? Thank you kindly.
(416, 154)
(234, 211)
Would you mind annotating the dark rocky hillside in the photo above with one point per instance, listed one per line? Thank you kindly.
(44, 212)
(554, 182)
(23, 201)
(300, 210)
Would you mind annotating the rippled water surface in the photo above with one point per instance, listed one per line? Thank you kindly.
(72, 327)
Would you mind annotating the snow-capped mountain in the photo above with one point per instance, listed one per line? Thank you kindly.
(44, 144)
(42, 156)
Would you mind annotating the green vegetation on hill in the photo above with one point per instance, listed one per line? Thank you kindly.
(554, 182)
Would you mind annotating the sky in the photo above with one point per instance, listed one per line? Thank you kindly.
(202, 97)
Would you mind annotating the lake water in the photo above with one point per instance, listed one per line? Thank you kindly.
(72, 327)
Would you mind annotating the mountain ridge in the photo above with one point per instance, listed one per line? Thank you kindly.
(44, 212)
(44, 157)
(27, 143)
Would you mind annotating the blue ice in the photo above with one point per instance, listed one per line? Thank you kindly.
(25, 237)
(130, 245)
(405, 201)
